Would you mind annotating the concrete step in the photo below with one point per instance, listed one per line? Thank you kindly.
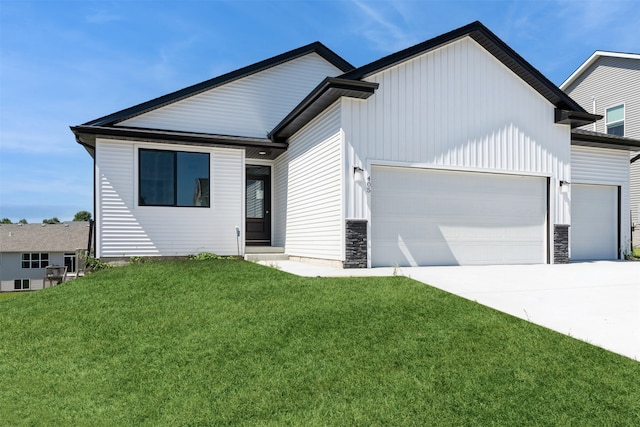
(265, 253)
(263, 250)
(266, 257)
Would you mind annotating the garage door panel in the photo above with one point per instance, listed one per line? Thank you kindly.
(427, 217)
(594, 222)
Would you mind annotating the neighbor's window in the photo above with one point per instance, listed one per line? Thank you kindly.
(20, 284)
(35, 260)
(615, 120)
(173, 178)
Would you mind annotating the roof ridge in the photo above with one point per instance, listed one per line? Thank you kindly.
(493, 45)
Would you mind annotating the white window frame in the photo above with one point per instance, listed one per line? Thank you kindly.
(607, 124)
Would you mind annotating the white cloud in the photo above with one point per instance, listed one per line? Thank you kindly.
(385, 25)
(102, 16)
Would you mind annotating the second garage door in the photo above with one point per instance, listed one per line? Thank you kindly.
(436, 217)
(594, 222)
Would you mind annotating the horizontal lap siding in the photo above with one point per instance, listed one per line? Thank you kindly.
(456, 107)
(251, 106)
(125, 229)
(309, 190)
(611, 81)
(635, 197)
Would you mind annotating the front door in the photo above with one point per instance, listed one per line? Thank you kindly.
(258, 205)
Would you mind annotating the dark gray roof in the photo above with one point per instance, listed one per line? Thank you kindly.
(589, 138)
(63, 237)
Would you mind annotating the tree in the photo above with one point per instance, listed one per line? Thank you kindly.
(53, 220)
(5, 221)
(23, 221)
(82, 216)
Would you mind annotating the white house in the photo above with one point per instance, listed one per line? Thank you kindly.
(27, 249)
(608, 84)
(453, 151)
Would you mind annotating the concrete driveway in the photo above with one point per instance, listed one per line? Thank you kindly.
(597, 302)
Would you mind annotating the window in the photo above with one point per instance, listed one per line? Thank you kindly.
(614, 118)
(173, 178)
(20, 284)
(35, 260)
(70, 262)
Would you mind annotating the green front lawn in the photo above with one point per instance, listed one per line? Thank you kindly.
(226, 342)
(7, 295)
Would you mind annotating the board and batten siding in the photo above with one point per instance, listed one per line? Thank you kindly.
(125, 229)
(590, 165)
(251, 106)
(459, 108)
(308, 184)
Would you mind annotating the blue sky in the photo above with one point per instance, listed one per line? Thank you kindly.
(64, 63)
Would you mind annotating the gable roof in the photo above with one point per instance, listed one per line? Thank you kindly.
(490, 42)
(568, 110)
(348, 84)
(63, 237)
(592, 59)
(315, 47)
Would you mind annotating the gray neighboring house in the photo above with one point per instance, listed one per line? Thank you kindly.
(608, 84)
(26, 249)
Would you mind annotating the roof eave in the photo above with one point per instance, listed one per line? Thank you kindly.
(86, 136)
(325, 94)
(581, 137)
(575, 118)
(591, 60)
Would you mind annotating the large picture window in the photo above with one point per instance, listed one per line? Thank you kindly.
(173, 178)
(615, 120)
(35, 260)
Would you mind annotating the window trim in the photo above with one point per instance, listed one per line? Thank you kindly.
(73, 261)
(22, 283)
(138, 187)
(624, 112)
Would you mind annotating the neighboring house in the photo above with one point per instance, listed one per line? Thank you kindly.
(453, 151)
(608, 84)
(26, 249)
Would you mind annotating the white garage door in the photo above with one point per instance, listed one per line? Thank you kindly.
(594, 222)
(435, 217)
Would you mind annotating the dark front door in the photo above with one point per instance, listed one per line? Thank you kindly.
(258, 205)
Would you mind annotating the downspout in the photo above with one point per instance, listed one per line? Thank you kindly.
(593, 110)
